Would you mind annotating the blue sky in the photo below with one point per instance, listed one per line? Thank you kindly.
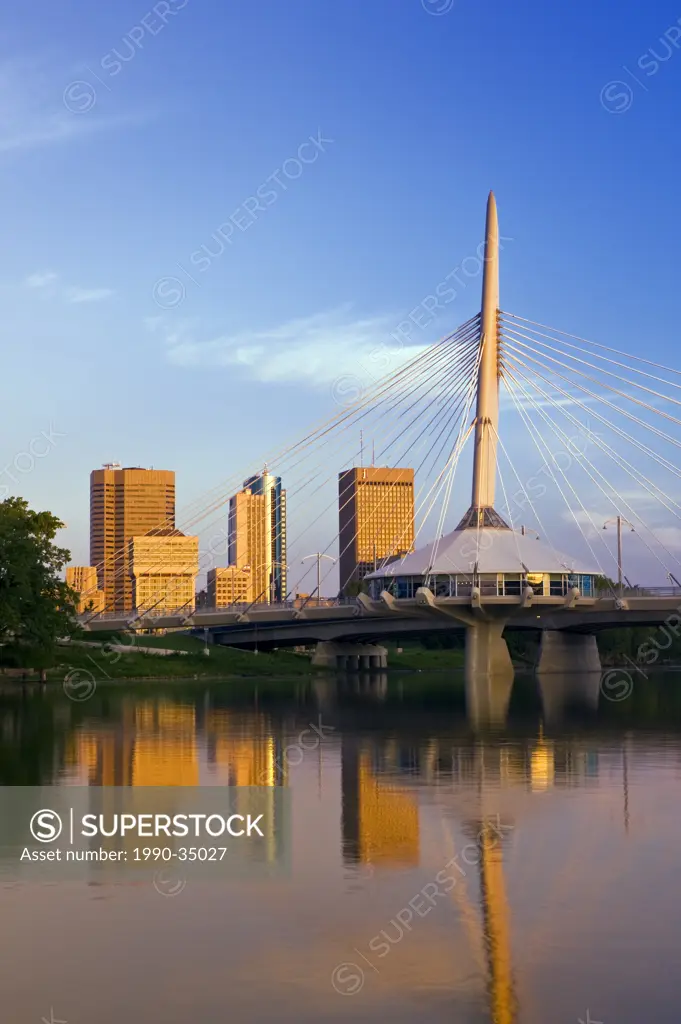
(128, 136)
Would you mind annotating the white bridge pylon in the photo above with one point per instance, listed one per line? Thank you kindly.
(487, 410)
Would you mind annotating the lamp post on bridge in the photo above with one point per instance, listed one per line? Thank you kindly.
(619, 520)
(319, 555)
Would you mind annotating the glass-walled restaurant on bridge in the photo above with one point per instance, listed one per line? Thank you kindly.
(498, 561)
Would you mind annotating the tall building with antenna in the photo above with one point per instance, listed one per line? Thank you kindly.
(375, 519)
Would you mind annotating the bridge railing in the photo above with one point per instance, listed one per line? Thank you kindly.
(652, 592)
(183, 612)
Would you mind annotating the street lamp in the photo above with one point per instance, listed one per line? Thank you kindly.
(319, 555)
(525, 530)
(619, 520)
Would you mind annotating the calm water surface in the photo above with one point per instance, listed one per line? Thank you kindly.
(563, 820)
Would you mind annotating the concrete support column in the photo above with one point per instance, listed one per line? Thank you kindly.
(568, 652)
(349, 657)
(486, 650)
(488, 674)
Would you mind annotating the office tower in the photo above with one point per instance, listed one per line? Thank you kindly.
(376, 519)
(164, 566)
(257, 535)
(248, 540)
(229, 585)
(125, 503)
(83, 579)
(275, 516)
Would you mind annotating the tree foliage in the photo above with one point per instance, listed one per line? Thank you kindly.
(36, 605)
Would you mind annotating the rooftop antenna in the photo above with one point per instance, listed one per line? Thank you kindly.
(361, 448)
(373, 453)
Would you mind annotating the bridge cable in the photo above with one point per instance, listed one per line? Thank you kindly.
(558, 431)
(433, 352)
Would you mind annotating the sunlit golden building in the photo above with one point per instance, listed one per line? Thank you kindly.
(375, 517)
(83, 579)
(164, 566)
(249, 535)
(125, 503)
(229, 585)
(257, 535)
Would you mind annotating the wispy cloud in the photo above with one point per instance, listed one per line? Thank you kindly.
(314, 351)
(668, 536)
(32, 110)
(47, 283)
(40, 280)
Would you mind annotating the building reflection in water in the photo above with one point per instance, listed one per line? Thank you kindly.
(380, 821)
(165, 745)
(162, 743)
(170, 745)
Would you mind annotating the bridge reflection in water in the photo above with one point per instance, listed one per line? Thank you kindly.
(415, 784)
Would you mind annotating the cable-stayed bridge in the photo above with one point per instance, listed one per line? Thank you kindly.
(488, 574)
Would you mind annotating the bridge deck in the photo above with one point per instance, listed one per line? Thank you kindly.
(366, 620)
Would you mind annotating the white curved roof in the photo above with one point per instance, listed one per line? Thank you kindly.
(487, 550)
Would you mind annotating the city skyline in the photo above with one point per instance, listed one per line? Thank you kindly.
(140, 560)
(575, 251)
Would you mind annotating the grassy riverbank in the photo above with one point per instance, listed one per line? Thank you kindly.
(418, 659)
(190, 662)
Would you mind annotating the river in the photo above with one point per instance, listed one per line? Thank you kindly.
(436, 867)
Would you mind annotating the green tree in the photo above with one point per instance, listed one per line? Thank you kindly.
(36, 605)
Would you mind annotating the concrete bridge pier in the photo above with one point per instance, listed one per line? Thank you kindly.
(350, 657)
(488, 674)
(568, 652)
(486, 650)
